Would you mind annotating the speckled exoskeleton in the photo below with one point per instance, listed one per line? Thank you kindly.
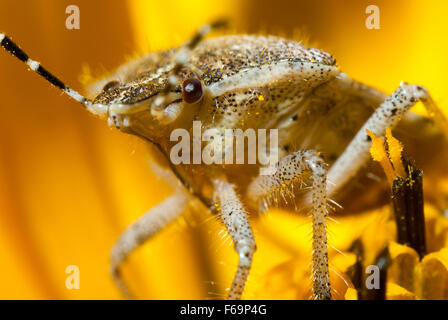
(245, 81)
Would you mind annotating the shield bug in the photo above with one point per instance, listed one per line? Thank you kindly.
(249, 82)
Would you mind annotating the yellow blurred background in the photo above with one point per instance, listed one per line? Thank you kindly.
(69, 185)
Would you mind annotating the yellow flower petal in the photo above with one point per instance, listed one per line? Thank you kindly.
(404, 259)
(431, 276)
(396, 292)
(351, 294)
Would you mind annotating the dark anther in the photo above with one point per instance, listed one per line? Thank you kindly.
(359, 277)
(356, 271)
(407, 199)
(382, 261)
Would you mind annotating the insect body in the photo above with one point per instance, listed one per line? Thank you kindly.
(246, 82)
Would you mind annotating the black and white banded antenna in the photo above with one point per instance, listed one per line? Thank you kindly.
(17, 52)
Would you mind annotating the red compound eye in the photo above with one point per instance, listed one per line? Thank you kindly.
(192, 90)
(111, 84)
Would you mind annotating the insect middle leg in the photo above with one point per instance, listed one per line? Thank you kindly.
(236, 221)
(141, 230)
(290, 172)
(388, 114)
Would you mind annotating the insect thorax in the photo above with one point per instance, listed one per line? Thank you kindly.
(252, 82)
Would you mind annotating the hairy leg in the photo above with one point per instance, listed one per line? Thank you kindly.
(388, 114)
(234, 216)
(290, 172)
(141, 230)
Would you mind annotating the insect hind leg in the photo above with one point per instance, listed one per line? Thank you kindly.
(388, 114)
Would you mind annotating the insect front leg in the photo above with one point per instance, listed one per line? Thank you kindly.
(289, 174)
(236, 221)
(388, 114)
(142, 229)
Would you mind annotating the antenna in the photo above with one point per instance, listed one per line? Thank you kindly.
(15, 50)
